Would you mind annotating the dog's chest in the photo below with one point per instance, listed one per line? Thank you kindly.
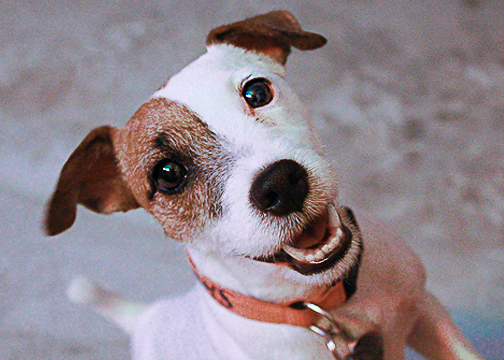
(194, 327)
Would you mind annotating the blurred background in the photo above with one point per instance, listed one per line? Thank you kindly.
(409, 97)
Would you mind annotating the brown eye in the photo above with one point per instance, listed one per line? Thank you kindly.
(169, 176)
(257, 93)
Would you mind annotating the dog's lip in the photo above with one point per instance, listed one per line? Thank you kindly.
(319, 240)
(315, 250)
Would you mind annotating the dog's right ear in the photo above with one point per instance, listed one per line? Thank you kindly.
(91, 177)
(272, 34)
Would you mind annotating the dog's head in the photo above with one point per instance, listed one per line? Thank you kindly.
(224, 156)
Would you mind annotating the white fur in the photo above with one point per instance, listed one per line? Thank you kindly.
(215, 79)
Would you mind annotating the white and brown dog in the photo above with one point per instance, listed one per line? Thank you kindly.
(224, 156)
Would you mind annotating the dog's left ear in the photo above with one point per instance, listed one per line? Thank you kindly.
(91, 177)
(272, 34)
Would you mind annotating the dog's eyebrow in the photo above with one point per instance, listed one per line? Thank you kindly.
(169, 147)
(162, 143)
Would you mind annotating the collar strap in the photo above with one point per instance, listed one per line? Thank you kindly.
(290, 313)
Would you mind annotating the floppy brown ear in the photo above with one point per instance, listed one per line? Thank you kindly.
(272, 34)
(90, 177)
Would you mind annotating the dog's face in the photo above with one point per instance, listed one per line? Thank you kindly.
(224, 156)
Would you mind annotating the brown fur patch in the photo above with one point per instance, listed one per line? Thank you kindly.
(272, 34)
(162, 129)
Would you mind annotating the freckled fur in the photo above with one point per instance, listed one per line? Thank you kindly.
(191, 142)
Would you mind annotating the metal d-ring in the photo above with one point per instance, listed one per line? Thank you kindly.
(333, 331)
(364, 343)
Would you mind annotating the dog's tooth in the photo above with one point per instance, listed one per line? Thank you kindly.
(335, 218)
(295, 253)
(327, 247)
(320, 257)
(331, 245)
(305, 255)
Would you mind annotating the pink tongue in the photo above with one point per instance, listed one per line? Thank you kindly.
(314, 234)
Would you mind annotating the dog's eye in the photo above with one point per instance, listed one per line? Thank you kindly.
(169, 176)
(257, 93)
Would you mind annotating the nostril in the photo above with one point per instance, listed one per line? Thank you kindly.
(297, 176)
(281, 188)
(271, 200)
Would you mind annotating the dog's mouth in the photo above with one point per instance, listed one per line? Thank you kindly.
(322, 243)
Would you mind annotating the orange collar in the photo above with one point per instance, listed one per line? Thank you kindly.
(290, 313)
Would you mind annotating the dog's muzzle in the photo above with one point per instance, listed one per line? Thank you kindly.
(280, 190)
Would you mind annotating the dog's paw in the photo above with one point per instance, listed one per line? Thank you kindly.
(369, 347)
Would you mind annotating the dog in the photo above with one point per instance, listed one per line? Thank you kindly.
(225, 157)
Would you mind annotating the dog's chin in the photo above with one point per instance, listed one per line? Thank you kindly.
(330, 241)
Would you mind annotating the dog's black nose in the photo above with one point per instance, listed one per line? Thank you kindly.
(281, 188)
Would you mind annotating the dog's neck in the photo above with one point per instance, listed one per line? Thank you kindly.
(264, 281)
